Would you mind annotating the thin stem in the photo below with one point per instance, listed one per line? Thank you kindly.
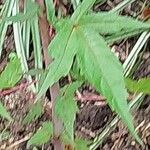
(54, 90)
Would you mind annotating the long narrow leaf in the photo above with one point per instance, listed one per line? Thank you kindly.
(3, 25)
(32, 11)
(50, 11)
(37, 46)
(63, 50)
(19, 43)
(26, 31)
(109, 23)
(103, 70)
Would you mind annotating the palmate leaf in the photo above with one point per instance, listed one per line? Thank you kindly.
(140, 86)
(12, 73)
(63, 49)
(66, 108)
(110, 23)
(103, 70)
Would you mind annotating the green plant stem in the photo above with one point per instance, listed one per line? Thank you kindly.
(54, 90)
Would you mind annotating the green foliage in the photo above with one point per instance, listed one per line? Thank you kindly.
(77, 144)
(81, 144)
(82, 9)
(50, 11)
(80, 49)
(4, 113)
(8, 78)
(34, 72)
(110, 23)
(12, 73)
(43, 135)
(140, 86)
(108, 80)
(4, 135)
(35, 112)
(32, 10)
(79, 38)
(66, 108)
(63, 54)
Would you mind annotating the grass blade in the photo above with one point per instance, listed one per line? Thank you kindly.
(19, 44)
(3, 25)
(37, 47)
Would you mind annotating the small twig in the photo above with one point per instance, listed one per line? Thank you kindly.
(27, 137)
(16, 88)
(90, 98)
(46, 37)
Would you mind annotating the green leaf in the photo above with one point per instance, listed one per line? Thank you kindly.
(32, 10)
(81, 144)
(66, 140)
(43, 135)
(75, 71)
(35, 112)
(63, 51)
(103, 70)
(4, 113)
(4, 135)
(66, 108)
(121, 35)
(11, 74)
(34, 72)
(50, 11)
(140, 86)
(109, 23)
(82, 9)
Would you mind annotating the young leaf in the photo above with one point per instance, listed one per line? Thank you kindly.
(141, 86)
(50, 11)
(81, 144)
(82, 9)
(109, 23)
(43, 135)
(11, 74)
(103, 70)
(4, 113)
(63, 51)
(35, 111)
(66, 108)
